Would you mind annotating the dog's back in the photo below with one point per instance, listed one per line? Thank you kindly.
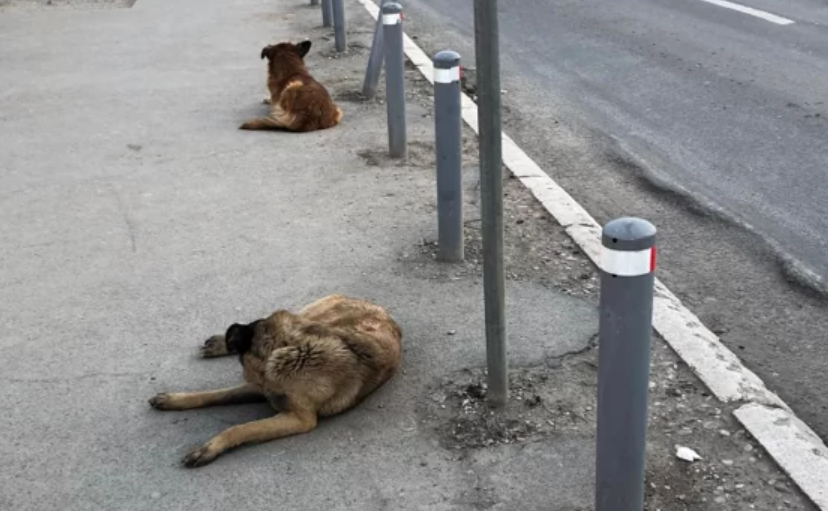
(328, 357)
(308, 104)
(298, 101)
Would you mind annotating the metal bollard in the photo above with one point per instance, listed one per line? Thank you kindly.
(327, 13)
(339, 25)
(628, 261)
(372, 72)
(448, 133)
(395, 79)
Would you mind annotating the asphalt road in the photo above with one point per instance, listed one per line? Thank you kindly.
(707, 120)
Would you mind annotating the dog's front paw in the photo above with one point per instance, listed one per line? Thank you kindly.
(214, 347)
(201, 456)
(161, 401)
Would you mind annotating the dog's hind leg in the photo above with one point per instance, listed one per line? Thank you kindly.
(284, 424)
(191, 400)
(262, 123)
(278, 119)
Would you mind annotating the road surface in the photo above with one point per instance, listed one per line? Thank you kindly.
(706, 117)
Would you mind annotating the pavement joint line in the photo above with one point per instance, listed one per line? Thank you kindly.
(750, 11)
(792, 443)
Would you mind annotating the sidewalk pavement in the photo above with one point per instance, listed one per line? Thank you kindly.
(137, 221)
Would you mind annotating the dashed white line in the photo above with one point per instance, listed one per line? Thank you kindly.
(773, 18)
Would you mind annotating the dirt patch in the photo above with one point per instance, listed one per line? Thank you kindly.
(557, 400)
(351, 49)
(546, 400)
(420, 155)
(536, 248)
(349, 96)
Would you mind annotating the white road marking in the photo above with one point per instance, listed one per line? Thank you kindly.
(775, 426)
(773, 18)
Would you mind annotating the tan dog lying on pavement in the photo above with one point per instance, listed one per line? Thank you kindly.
(320, 362)
(297, 101)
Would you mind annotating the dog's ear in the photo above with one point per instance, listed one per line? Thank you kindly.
(303, 48)
(266, 52)
(239, 338)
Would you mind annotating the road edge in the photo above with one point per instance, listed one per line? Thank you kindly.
(789, 441)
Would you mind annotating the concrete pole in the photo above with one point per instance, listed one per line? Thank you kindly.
(487, 54)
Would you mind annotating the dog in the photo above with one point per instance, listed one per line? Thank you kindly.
(297, 101)
(319, 362)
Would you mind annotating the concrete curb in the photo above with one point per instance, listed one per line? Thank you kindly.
(792, 444)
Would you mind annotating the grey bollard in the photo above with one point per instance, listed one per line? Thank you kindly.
(339, 25)
(625, 328)
(327, 13)
(395, 79)
(448, 133)
(372, 72)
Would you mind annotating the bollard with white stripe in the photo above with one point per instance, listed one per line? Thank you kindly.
(628, 262)
(372, 71)
(395, 79)
(327, 13)
(449, 137)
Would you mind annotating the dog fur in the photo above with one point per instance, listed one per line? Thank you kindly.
(297, 101)
(320, 362)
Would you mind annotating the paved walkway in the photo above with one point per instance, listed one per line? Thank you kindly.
(137, 220)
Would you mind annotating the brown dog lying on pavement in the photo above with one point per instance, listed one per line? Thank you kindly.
(297, 101)
(320, 362)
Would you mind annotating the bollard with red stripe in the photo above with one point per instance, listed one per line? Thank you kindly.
(627, 268)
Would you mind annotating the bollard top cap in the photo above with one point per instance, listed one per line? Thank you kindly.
(392, 8)
(447, 59)
(629, 234)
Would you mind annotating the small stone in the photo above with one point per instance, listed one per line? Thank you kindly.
(451, 332)
(748, 448)
(687, 454)
(727, 462)
(781, 488)
(771, 482)
(724, 432)
(720, 500)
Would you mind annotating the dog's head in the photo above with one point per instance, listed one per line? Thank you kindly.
(283, 53)
(239, 338)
